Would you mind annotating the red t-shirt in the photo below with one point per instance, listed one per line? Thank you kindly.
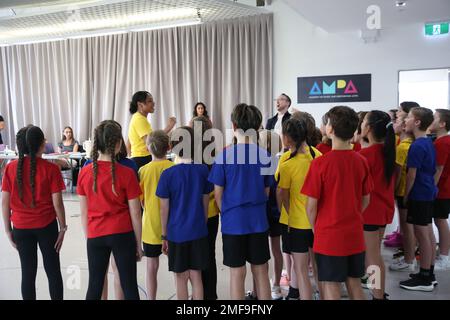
(323, 148)
(339, 180)
(48, 180)
(381, 207)
(107, 213)
(442, 146)
(357, 146)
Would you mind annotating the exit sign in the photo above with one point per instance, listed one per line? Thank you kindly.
(434, 29)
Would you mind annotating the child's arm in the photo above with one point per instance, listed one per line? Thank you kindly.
(164, 210)
(438, 174)
(410, 178)
(267, 190)
(218, 193)
(6, 213)
(84, 214)
(206, 205)
(61, 215)
(136, 220)
(284, 197)
(365, 202)
(279, 201)
(311, 211)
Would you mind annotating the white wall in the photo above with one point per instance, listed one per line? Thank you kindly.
(302, 49)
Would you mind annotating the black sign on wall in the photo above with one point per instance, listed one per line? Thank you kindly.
(344, 88)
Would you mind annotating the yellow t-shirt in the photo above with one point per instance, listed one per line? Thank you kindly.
(291, 175)
(151, 220)
(213, 209)
(401, 154)
(139, 128)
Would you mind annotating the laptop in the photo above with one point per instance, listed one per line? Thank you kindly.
(49, 148)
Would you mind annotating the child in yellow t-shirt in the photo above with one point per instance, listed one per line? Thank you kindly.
(158, 145)
(291, 174)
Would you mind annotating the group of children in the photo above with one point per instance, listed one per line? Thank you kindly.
(330, 207)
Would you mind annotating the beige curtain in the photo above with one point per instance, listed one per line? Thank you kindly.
(80, 82)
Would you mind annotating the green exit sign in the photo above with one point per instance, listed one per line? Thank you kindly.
(435, 29)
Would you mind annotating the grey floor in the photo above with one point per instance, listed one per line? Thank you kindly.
(75, 274)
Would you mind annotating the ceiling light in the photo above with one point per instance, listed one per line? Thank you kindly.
(400, 4)
(168, 24)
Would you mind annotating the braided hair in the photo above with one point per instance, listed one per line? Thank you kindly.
(29, 141)
(296, 129)
(106, 137)
(383, 130)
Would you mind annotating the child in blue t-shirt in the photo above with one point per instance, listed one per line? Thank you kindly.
(419, 196)
(184, 190)
(242, 182)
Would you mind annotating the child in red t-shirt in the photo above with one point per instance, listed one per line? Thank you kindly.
(32, 202)
(338, 187)
(378, 129)
(441, 127)
(325, 145)
(110, 213)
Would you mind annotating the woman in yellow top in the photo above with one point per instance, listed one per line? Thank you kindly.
(291, 175)
(158, 144)
(141, 105)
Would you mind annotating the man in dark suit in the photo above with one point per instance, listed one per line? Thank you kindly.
(283, 104)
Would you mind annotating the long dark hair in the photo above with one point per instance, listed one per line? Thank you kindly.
(106, 136)
(383, 130)
(296, 129)
(139, 96)
(29, 140)
(64, 137)
(205, 113)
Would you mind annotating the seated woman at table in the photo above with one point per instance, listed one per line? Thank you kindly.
(67, 144)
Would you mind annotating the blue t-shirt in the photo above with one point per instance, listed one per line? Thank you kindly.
(422, 156)
(125, 162)
(242, 170)
(184, 185)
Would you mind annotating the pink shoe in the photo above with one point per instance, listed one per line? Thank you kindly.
(394, 242)
(392, 235)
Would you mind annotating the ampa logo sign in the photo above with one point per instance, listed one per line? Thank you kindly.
(341, 85)
(340, 88)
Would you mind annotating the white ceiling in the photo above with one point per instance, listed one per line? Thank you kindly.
(24, 21)
(350, 15)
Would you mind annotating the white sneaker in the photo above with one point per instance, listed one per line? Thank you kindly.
(442, 264)
(316, 295)
(401, 265)
(276, 293)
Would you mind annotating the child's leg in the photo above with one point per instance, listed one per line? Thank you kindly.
(287, 264)
(124, 251)
(237, 283)
(181, 282)
(355, 291)
(277, 260)
(98, 260)
(196, 282)
(151, 277)
(118, 292)
(209, 276)
(373, 259)
(261, 276)
(433, 244)
(409, 240)
(316, 274)
(381, 262)
(444, 236)
(423, 237)
(332, 290)
(301, 270)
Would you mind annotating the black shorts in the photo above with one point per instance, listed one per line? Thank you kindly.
(189, 255)
(285, 241)
(420, 213)
(300, 240)
(338, 269)
(441, 208)
(274, 226)
(239, 249)
(152, 250)
(373, 227)
(400, 204)
(141, 161)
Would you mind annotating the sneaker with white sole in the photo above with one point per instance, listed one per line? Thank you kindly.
(364, 281)
(442, 264)
(276, 293)
(402, 265)
(417, 284)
